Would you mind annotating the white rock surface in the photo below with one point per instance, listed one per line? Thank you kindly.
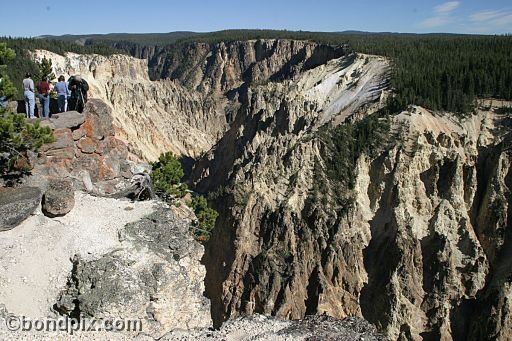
(35, 257)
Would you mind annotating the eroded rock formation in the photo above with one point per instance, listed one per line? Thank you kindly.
(87, 152)
(420, 250)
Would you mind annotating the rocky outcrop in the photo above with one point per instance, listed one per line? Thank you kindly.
(260, 328)
(86, 151)
(17, 204)
(160, 283)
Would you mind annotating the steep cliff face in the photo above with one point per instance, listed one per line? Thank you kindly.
(432, 256)
(263, 171)
(414, 250)
(222, 67)
(420, 249)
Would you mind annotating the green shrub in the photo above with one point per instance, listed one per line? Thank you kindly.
(167, 173)
(7, 88)
(206, 217)
(345, 144)
(199, 204)
(218, 193)
(17, 137)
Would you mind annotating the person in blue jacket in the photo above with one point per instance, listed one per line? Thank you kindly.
(62, 93)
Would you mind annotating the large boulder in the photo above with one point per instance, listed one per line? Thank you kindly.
(17, 204)
(62, 148)
(59, 198)
(98, 120)
(68, 120)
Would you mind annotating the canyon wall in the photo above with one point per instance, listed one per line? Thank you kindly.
(417, 240)
(420, 248)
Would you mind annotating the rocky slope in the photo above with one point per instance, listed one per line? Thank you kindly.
(259, 328)
(159, 283)
(419, 245)
(97, 263)
(75, 251)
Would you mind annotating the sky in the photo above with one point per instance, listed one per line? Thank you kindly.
(30, 18)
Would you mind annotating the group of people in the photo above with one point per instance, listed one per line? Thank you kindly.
(73, 92)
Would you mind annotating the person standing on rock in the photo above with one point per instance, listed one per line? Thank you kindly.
(28, 92)
(78, 87)
(43, 87)
(62, 93)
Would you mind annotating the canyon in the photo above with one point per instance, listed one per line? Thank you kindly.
(417, 240)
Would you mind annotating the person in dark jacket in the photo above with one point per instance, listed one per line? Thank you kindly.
(78, 87)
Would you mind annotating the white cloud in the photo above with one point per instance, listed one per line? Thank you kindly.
(435, 22)
(493, 19)
(446, 8)
(484, 15)
(505, 21)
(488, 21)
(442, 15)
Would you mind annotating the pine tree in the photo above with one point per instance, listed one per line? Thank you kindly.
(46, 70)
